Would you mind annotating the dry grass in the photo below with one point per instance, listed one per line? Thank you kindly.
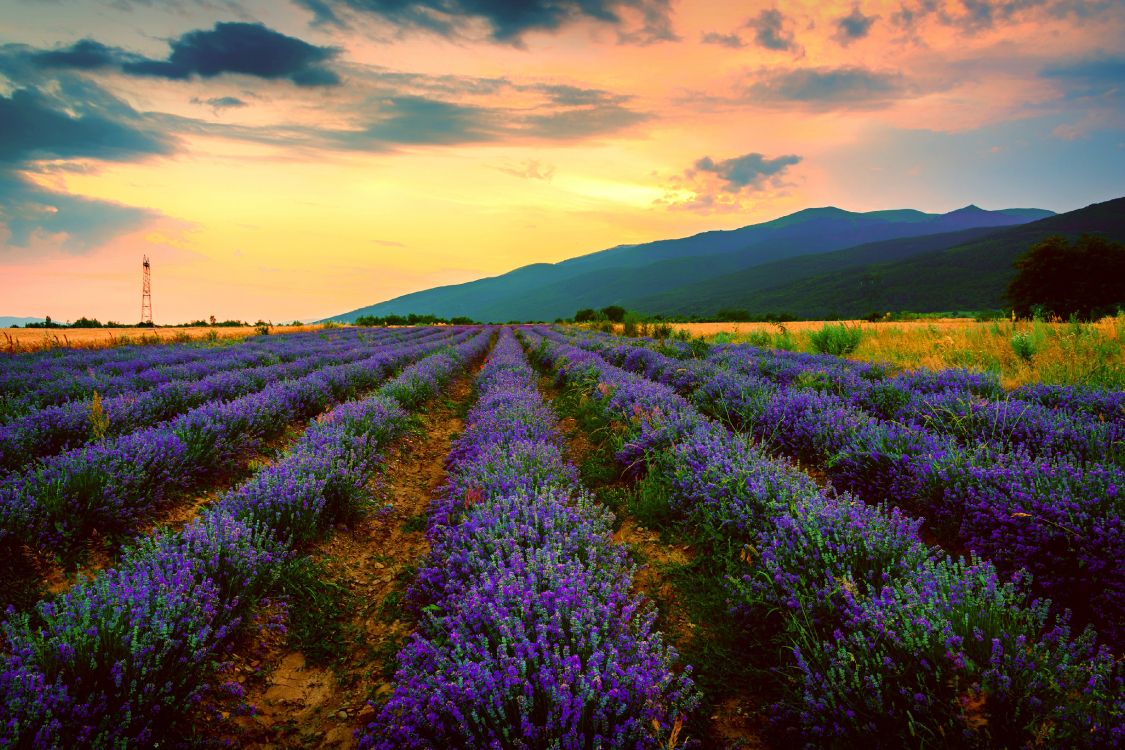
(16, 340)
(1066, 353)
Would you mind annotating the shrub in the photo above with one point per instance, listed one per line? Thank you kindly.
(1024, 345)
(836, 339)
(760, 339)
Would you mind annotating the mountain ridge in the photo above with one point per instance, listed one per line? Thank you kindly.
(624, 273)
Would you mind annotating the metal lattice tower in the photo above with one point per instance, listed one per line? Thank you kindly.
(146, 293)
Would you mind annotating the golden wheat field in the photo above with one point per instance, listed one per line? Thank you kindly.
(35, 339)
(1066, 353)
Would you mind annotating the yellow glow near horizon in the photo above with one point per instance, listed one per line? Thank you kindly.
(441, 159)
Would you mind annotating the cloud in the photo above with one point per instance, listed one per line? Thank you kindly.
(827, 87)
(244, 48)
(531, 169)
(748, 170)
(710, 185)
(35, 126)
(581, 122)
(85, 54)
(414, 120)
(770, 32)
(72, 119)
(853, 26)
(1100, 76)
(733, 41)
(507, 21)
(417, 110)
(575, 96)
(29, 212)
(219, 103)
(973, 16)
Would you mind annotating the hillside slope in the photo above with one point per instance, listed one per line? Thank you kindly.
(625, 274)
(968, 275)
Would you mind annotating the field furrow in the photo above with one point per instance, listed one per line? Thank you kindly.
(126, 657)
(883, 638)
(1055, 511)
(526, 621)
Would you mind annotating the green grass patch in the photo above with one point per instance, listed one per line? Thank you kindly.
(318, 611)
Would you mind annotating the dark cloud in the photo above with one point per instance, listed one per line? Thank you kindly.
(733, 41)
(746, 171)
(1100, 76)
(34, 126)
(414, 120)
(853, 26)
(826, 87)
(73, 120)
(576, 96)
(726, 185)
(245, 48)
(971, 16)
(583, 122)
(28, 211)
(219, 103)
(770, 32)
(85, 54)
(507, 20)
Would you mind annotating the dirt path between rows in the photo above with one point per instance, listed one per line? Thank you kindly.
(300, 705)
(734, 722)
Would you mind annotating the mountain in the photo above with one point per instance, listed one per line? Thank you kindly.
(7, 321)
(971, 274)
(626, 274)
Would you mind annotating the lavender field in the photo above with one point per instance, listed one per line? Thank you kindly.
(545, 537)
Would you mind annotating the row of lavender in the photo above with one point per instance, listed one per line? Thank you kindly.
(891, 392)
(112, 484)
(44, 432)
(126, 659)
(1040, 493)
(886, 642)
(528, 635)
(970, 407)
(33, 381)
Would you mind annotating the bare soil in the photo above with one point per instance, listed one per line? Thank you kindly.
(300, 705)
(735, 722)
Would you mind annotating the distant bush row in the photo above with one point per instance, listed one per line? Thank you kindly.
(413, 319)
(85, 322)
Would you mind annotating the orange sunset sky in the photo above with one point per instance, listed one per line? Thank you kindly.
(285, 159)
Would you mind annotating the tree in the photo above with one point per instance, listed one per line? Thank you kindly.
(584, 315)
(733, 315)
(1081, 280)
(616, 313)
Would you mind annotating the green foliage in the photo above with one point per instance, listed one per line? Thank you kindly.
(1023, 344)
(836, 339)
(413, 319)
(1082, 279)
(736, 315)
(262, 328)
(630, 326)
(760, 339)
(585, 315)
(615, 313)
(318, 606)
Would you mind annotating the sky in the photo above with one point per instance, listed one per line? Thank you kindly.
(294, 159)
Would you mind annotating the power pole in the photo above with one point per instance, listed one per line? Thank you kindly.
(146, 293)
